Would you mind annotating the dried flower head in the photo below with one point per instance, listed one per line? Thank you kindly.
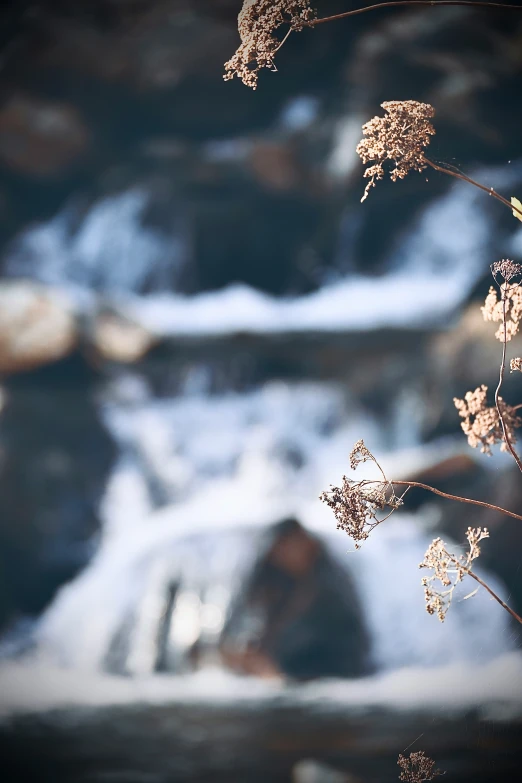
(417, 768)
(257, 22)
(449, 570)
(506, 269)
(360, 453)
(482, 424)
(515, 364)
(359, 506)
(400, 136)
(508, 309)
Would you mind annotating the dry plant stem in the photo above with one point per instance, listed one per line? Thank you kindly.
(493, 594)
(431, 3)
(481, 503)
(471, 181)
(497, 390)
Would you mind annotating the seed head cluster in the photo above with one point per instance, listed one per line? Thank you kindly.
(400, 136)
(449, 570)
(507, 308)
(359, 506)
(257, 22)
(482, 424)
(417, 768)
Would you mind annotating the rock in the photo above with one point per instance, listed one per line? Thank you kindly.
(55, 460)
(119, 339)
(36, 326)
(39, 137)
(296, 614)
(274, 166)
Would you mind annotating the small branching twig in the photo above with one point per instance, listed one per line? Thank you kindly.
(517, 211)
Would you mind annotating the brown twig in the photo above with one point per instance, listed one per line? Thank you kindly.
(446, 495)
(431, 3)
(471, 181)
(492, 593)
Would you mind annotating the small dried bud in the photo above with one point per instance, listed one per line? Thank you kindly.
(516, 364)
(400, 136)
(417, 768)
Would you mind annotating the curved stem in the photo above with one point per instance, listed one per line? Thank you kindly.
(471, 181)
(431, 3)
(446, 495)
(505, 432)
(492, 594)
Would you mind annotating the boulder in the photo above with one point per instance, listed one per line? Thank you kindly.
(55, 460)
(296, 613)
(37, 326)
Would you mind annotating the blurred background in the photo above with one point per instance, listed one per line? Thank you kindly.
(198, 319)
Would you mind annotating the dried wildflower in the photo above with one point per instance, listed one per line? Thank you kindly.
(506, 269)
(509, 307)
(360, 453)
(400, 136)
(257, 22)
(445, 566)
(515, 364)
(482, 424)
(358, 506)
(417, 768)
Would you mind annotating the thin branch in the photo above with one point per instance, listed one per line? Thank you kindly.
(500, 381)
(471, 181)
(283, 41)
(481, 503)
(431, 3)
(492, 594)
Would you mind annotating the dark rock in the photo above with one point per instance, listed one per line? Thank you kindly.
(297, 613)
(36, 326)
(55, 459)
(38, 137)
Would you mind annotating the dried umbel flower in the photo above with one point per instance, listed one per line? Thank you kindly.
(506, 269)
(257, 22)
(509, 307)
(482, 423)
(359, 506)
(417, 768)
(400, 136)
(515, 364)
(360, 453)
(449, 570)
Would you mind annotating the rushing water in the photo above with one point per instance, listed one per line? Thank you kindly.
(200, 474)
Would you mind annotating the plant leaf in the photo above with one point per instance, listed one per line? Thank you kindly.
(516, 203)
